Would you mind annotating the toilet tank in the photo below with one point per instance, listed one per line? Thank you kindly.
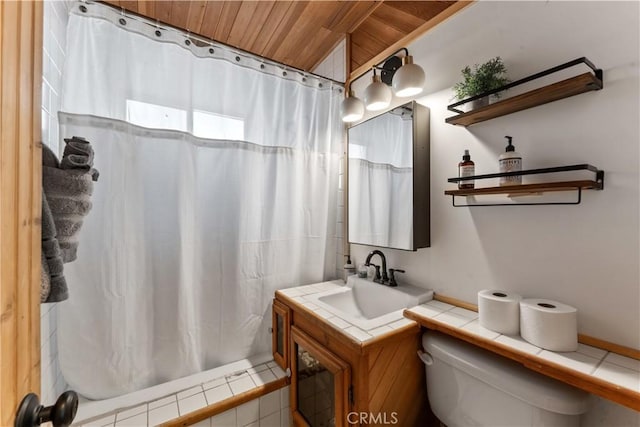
(470, 386)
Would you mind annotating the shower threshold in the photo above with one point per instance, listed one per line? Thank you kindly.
(164, 402)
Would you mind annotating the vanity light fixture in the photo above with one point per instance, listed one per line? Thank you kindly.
(409, 79)
(405, 77)
(377, 96)
(352, 108)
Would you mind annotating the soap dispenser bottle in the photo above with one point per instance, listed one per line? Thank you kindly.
(466, 168)
(510, 161)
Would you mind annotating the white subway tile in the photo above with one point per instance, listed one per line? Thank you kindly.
(619, 375)
(258, 368)
(203, 423)
(263, 377)
(135, 421)
(379, 331)
(270, 403)
(225, 419)
(401, 323)
(625, 362)
(278, 372)
(163, 401)
(218, 394)
(518, 343)
(128, 413)
(574, 360)
(163, 414)
(192, 403)
(285, 417)
(272, 420)
(357, 333)
(598, 353)
(248, 412)
(440, 305)
(109, 420)
(475, 328)
(323, 313)
(426, 310)
(215, 383)
(338, 322)
(242, 385)
(189, 392)
(45, 139)
(469, 314)
(284, 397)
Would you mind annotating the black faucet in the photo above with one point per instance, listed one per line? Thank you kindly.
(384, 279)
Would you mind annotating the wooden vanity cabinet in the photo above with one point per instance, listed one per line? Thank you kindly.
(281, 327)
(320, 384)
(385, 379)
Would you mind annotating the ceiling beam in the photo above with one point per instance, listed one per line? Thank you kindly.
(352, 29)
(408, 39)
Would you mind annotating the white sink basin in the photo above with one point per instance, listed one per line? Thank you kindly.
(368, 305)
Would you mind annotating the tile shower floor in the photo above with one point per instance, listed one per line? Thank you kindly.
(270, 410)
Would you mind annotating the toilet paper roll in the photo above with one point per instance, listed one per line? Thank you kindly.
(499, 311)
(549, 324)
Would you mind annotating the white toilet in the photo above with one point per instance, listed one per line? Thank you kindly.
(469, 386)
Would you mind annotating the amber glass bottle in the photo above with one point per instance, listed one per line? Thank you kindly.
(466, 168)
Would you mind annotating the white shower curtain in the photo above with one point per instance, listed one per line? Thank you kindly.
(189, 237)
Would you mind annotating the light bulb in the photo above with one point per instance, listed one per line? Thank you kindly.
(377, 96)
(352, 108)
(408, 80)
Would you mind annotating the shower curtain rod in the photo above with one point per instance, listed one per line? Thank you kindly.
(160, 24)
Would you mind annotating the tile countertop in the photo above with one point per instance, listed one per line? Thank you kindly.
(593, 369)
(301, 294)
(598, 371)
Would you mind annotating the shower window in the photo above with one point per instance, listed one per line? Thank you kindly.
(203, 124)
(156, 116)
(217, 126)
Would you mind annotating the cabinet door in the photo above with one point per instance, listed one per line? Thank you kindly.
(319, 385)
(280, 336)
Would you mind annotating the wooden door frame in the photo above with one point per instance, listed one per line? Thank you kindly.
(20, 202)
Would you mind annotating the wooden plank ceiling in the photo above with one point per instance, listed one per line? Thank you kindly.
(297, 33)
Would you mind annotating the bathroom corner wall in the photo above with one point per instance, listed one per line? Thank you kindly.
(54, 41)
(334, 67)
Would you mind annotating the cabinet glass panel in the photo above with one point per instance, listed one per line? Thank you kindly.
(280, 334)
(315, 391)
(280, 337)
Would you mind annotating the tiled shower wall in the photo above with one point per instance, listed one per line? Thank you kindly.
(333, 67)
(54, 42)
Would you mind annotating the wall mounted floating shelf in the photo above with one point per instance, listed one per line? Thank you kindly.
(531, 189)
(573, 86)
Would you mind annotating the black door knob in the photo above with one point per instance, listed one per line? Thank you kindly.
(31, 413)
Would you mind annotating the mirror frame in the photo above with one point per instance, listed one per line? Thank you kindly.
(421, 177)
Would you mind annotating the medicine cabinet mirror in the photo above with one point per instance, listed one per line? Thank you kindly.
(389, 179)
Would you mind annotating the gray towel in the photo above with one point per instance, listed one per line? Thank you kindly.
(69, 197)
(54, 286)
(78, 155)
(45, 280)
(67, 187)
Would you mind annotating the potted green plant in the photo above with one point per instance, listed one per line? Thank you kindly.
(483, 78)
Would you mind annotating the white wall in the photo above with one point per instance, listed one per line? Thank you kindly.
(586, 255)
(334, 65)
(54, 41)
